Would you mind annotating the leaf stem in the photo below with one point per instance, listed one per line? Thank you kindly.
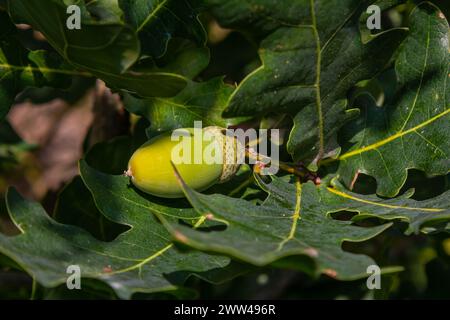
(33, 289)
(287, 167)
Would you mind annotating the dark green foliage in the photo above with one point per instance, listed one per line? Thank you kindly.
(367, 112)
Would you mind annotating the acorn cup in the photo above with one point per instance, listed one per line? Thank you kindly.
(203, 158)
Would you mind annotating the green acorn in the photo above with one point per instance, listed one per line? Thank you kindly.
(151, 166)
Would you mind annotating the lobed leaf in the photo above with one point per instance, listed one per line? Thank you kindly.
(202, 101)
(312, 54)
(295, 220)
(138, 260)
(412, 131)
(105, 46)
(21, 68)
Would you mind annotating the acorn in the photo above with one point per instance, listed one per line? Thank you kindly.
(203, 158)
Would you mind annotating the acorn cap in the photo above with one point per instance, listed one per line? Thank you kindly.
(230, 149)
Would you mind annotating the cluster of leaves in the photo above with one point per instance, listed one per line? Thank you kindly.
(318, 65)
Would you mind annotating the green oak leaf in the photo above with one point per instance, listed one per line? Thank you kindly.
(418, 214)
(292, 221)
(118, 151)
(99, 45)
(312, 54)
(138, 260)
(295, 220)
(21, 68)
(158, 21)
(412, 131)
(10, 82)
(76, 206)
(203, 101)
(108, 49)
(185, 58)
(79, 88)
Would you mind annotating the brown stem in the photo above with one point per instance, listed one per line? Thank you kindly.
(282, 165)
